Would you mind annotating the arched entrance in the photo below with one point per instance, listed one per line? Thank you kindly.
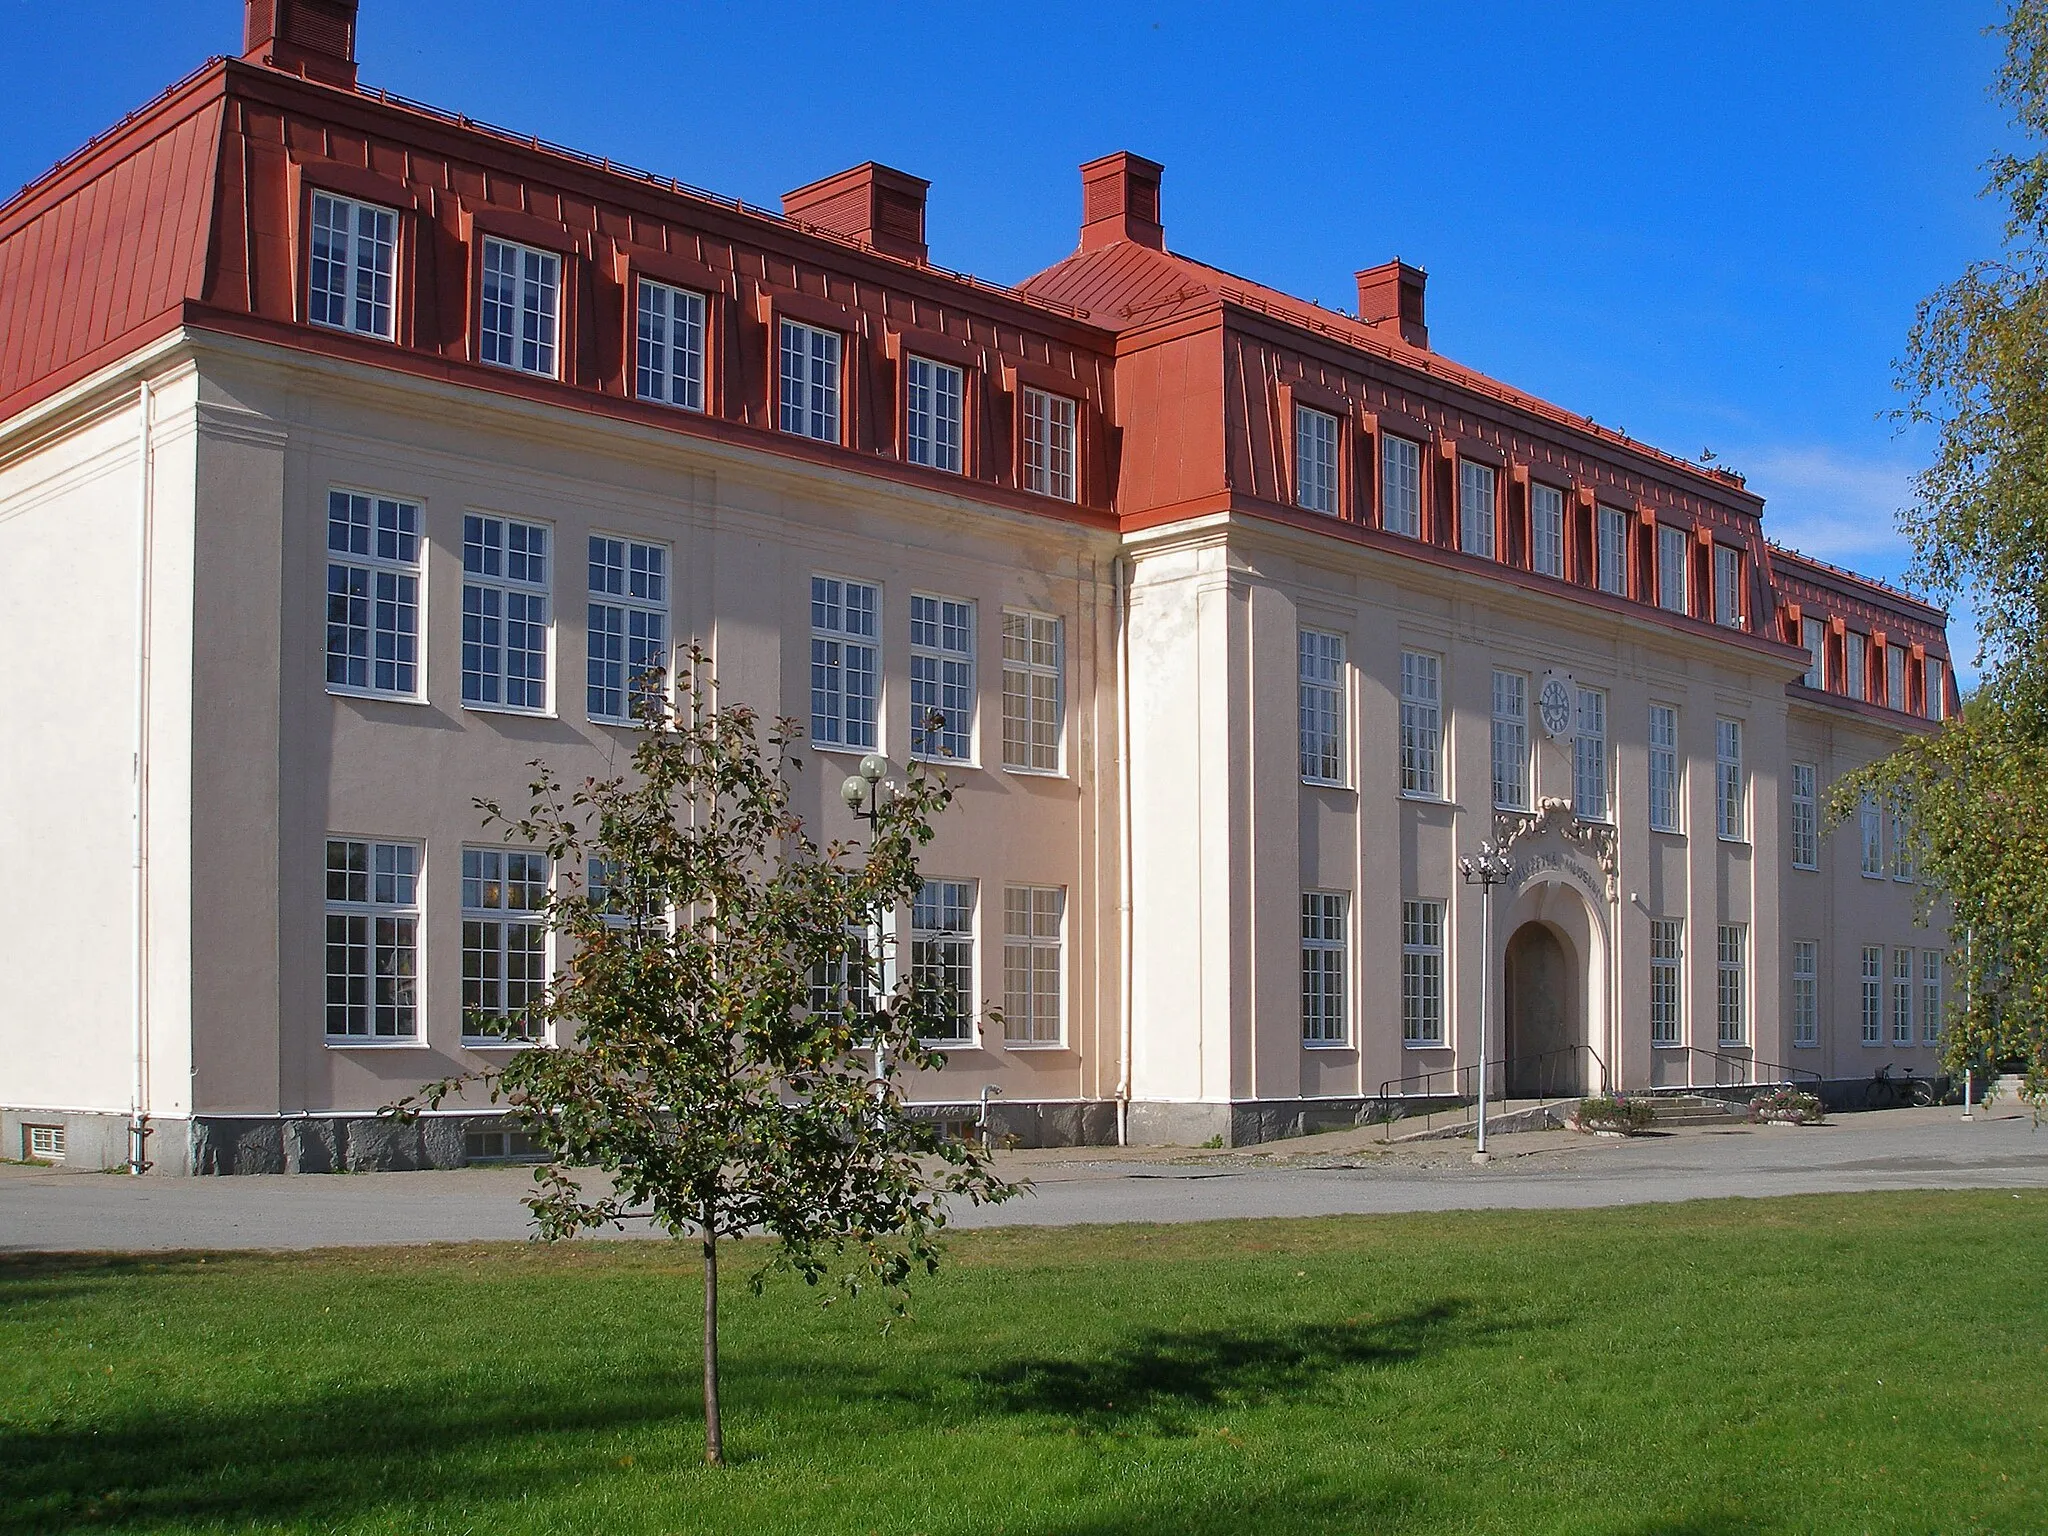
(1545, 1014)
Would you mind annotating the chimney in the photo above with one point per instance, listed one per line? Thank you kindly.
(1390, 300)
(1120, 201)
(314, 38)
(870, 202)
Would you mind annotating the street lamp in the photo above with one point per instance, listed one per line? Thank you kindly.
(1486, 869)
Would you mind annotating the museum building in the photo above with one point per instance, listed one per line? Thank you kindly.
(354, 454)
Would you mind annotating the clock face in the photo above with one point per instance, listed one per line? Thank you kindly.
(1555, 702)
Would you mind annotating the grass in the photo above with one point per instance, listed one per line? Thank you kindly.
(1860, 1363)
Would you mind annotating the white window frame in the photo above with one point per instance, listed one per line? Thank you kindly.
(352, 288)
(1667, 784)
(1422, 974)
(1510, 741)
(1592, 787)
(1895, 678)
(1051, 444)
(626, 626)
(1731, 783)
(1805, 994)
(1856, 665)
(504, 927)
(807, 373)
(520, 321)
(1401, 486)
(934, 413)
(503, 600)
(1667, 981)
(1673, 589)
(1870, 822)
(43, 1143)
(1034, 966)
(846, 664)
(1034, 692)
(1477, 514)
(1905, 981)
(1315, 460)
(1728, 586)
(1873, 995)
(1902, 847)
(376, 549)
(942, 655)
(1325, 969)
(1813, 634)
(1805, 816)
(1610, 557)
(1934, 688)
(950, 950)
(669, 345)
(1731, 984)
(1321, 674)
(1422, 768)
(1546, 530)
(389, 903)
(1930, 997)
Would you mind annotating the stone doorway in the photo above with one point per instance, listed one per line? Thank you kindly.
(1545, 1015)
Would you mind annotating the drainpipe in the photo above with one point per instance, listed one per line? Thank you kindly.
(138, 1103)
(1120, 581)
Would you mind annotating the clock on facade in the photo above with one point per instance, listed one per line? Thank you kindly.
(1554, 703)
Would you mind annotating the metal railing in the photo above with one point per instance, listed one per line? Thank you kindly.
(1725, 1069)
(1569, 1072)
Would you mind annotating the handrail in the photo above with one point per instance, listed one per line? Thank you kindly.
(1755, 1067)
(1461, 1080)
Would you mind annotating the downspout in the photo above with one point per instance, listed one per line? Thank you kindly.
(138, 1103)
(1120, 582)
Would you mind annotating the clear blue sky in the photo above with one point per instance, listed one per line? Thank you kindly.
(1707, 224)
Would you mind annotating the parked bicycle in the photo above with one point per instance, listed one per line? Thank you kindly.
(1888, 1092)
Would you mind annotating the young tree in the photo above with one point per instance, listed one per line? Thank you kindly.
(729, 1051)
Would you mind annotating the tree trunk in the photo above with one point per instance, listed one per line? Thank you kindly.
(714, 1431)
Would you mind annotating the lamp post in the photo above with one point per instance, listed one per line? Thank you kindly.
(866, 791)
(1486, 869)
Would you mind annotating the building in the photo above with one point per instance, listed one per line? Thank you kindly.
(355, 453)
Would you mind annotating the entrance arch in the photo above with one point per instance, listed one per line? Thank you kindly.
(1543, 994)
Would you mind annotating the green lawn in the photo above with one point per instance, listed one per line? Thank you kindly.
(1866, 1363)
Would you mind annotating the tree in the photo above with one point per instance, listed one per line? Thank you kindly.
(729, 1054)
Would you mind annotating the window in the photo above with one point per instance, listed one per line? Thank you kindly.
(932, 396)
(1873, 994)
(1315, 460)
(1902, 845)
(1805, 992)
(1728, 586)
(1511, 741)
(373, 594)
(1049, 444)
(1902, 996)
(1422, 973)
(1870, 820)
(1589, 757)
(1475, 508)
(354, 246)
(1731, 791)
(809, 374)
(1322, 707)
(1665, 802)
(621, 901)
(504, 613)
(1032, 922)
(941, 678)
(1814, 636)
(843, 676)
(1613, 551)
(1322, 967)
(1033, 655)
(1894, 678)
(1934, 689)
(43, 1143)
(521, 303)
(843, 979)
(1546, 530)
(628, 623)
(671, 346)
(1731, 1005)
(1805, 816)
(942, 952)
(1671, 569)
(504, 943)
(1421, 733)
(1401, 486)
(1930, 996)
(1855, 656)
(1665, 992)
(373, 914)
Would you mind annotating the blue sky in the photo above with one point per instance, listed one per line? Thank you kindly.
(1707, 224)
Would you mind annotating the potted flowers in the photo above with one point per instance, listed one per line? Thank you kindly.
(1786, 1105)
(1611, 1114)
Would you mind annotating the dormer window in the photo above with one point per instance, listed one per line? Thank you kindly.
(1671, 563)
(1728, 586)
(1315, 460)
(1475, 508)
(521, 307)
(932, 397)
(1049, 444)
(350, 263)
(1546, 530)
(810, 382)
(1612, 555)
(670, 346)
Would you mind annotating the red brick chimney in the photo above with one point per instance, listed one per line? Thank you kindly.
(1390, 300)
(315, 38)
(870, 202)
(1120, 201)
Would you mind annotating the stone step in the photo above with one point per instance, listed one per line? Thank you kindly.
(1693, 1109)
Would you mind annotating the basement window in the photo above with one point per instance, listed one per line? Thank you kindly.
(44, 1143)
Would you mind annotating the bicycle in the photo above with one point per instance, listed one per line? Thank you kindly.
(1888, 1092)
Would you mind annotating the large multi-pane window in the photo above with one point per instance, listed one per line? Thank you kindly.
(1475, 508)
(941, 678)
(844, 674)
(1930, 996)
(1589, 757)
(504, 942)
(1611, 557)
(942, 952)
(351, 259)
(1805, 992)
(373, 593)
(1935, 689)
(373, 914)
(1323, 968)
(1870, 822)
(1665, 796)
(521, 307)
(1814, 636)
(808, 378)
(1049, 444)
(1671, 569)
(1033, 920)
(1894, 678)
(1401, 486)
(628, 640)
(1321, 693)
(504, 612)
(669, 346)
(1731, 984)
(1902, 996)
(1731, 788)
(1511, 741)
(844, 978)
(1315, 460)
(1855, 659)
(1032, 691)
(1873, 994)
(1902, 844)
(1666, 992)
(932, 413)
(1805, 816)
(1728, 585)
(1421, 725)
(1546, 529)
(1422, 973)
